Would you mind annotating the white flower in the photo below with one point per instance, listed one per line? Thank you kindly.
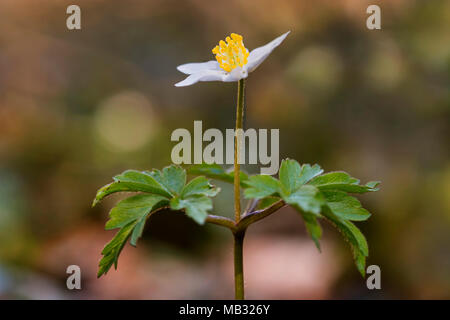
(233, 61)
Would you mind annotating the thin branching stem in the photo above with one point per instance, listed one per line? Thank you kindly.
(254, 216)
(221, 221)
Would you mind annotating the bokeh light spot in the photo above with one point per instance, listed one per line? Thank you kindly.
(125, 122)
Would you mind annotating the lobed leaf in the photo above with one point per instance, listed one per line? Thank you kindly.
(341, 181)
(196, 207)
(160, 188)
(306, 198)
(313, 227)
(129, 215)
(345, 206)
(315, 195)
(138, 229)
(132, 208)
(112, 250)
(132, 181)
(261, 186)
(172, 177)
(199, 186)
(308, 172)
(355, 238)
(289, 175)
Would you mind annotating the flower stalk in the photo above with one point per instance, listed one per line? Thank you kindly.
(239, 265)
(239, 236)
(237, 147)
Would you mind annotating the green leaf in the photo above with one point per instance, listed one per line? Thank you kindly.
(355, 238)
(196, 207)
(172, 177)
(160, 188)
(199, 186)
(373, 185)
(194, 199)
(289, 175)
(217, 172)
(266, 202)
(261, 186)
(351, 233)
(308, 172)
(306, 198)
(313, 227)
(340, 181)
(345, 206)
(138, 229)
(140, 224)
(129, 215)
(331, 178)
(132, 181)
(360, 261)
(112, 250)
(132, 209)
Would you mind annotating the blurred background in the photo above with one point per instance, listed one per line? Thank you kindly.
(77, 107)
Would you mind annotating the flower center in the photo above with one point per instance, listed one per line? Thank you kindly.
(232, 53)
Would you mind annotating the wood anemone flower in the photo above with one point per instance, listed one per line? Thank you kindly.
(233, 61)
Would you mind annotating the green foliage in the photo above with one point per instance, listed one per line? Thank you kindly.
(313, 227)
(157, 189)
(306, 198)
(199, 186)
(112, 250)
(342, 181)
(266, 202)
(173, 178)
(345, 206)
(131, 209)
(315, 195)
(355, 238)
(261, 186)
(289, 171)
(132, 181)
(196, 207)
(217, 172)
(311, 193)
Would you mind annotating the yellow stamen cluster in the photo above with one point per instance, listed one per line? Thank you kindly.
(232, 53)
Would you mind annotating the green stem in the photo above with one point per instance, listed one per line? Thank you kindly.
(221, 221)
(237, 143)
(239, 266)
(238, 237)
(255, 216)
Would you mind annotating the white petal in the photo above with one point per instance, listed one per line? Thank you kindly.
(190, 68)
(205, 75)
(258, 55)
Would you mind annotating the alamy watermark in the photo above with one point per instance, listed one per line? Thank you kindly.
(373, 22)
(73, 21)
(253, 144)
(374, 280)
(74, 280)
